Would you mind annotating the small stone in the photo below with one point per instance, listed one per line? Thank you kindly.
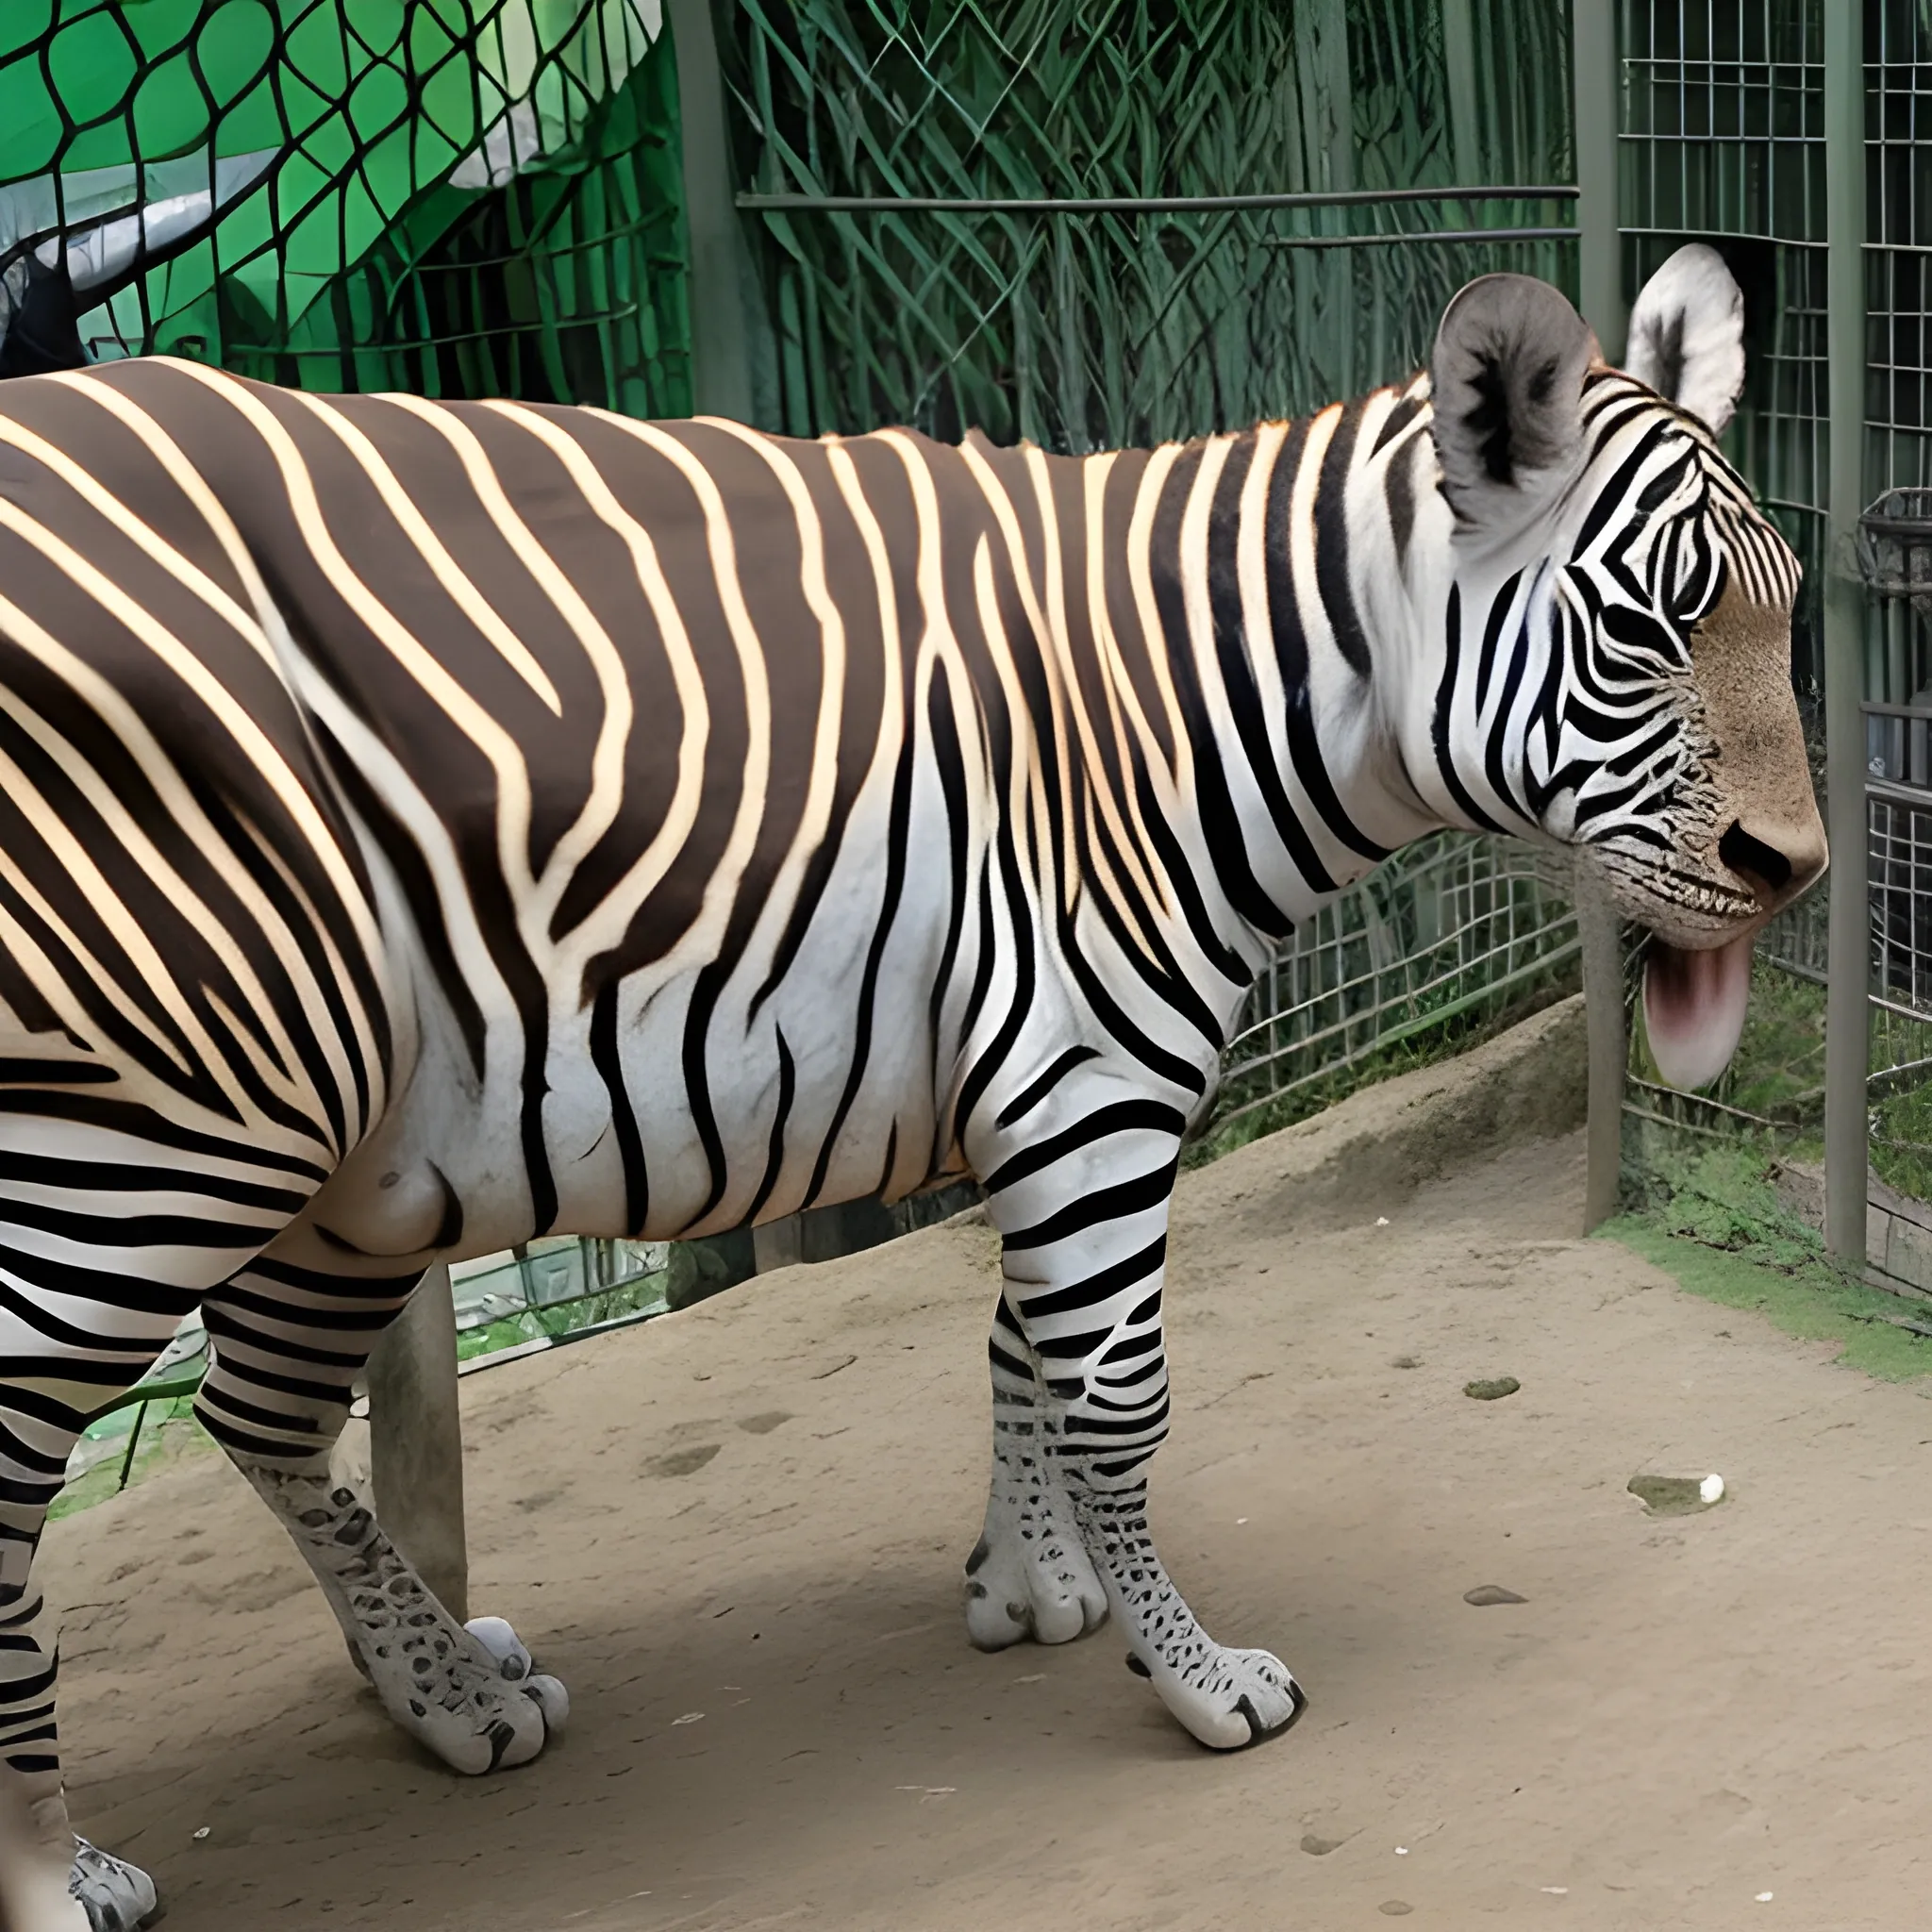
(1395, 1909)
(1407, 1361)
(1484, 1595)
(1677, 1495)
(1320, 1847)
(1492, 1390)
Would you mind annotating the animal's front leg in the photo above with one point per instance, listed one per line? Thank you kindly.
(1028, 1576)
(275, 1396)
(1082, 1212)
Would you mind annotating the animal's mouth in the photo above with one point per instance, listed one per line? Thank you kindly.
(1693, 1006)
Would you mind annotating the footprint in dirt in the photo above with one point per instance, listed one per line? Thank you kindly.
(683, 1461)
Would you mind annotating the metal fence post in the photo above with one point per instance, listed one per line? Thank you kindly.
(416, 1440)
(720, 349)
(1847, 1046)
(1599, 284)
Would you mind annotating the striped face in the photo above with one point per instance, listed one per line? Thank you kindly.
(1619, 663)
(1674, 753)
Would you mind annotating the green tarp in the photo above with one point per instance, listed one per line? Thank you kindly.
(456, 196)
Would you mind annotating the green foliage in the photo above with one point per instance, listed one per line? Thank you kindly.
(1778, 1075)
(168, 1432)
(645, 1295)
(1715, 1223)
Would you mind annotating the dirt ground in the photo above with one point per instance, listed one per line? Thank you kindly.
(737, 1533)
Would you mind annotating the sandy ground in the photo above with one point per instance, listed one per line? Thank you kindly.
(737, 1533)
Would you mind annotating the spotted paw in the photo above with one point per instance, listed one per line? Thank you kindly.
(448, 1689)
(515, 1665)
(1228, 1699)
(1030, 1581)
(115, 1895)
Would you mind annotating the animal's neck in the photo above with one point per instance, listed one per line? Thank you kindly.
(1300, 572)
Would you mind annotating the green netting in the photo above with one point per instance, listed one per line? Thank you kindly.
(1093, 329)
(456, 196)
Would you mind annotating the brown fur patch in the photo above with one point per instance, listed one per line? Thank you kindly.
(1741, 656)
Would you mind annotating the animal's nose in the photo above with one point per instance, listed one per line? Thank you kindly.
(1776, 861)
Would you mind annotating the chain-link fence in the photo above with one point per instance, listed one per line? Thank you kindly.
(1723, 139)
(1432, 945)
(1040, 219)
(459, 197)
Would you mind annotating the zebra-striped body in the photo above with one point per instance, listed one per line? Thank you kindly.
(425, 826)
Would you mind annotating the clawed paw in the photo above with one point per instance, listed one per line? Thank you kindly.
(1043, 1587)
(472, 1695)
(1227, 1699)
(115, 1895)
(516, 1666)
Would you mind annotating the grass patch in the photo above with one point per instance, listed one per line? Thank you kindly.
(168, 1433)
(1715, 1225)
(646, 1294)
(1778, 1072)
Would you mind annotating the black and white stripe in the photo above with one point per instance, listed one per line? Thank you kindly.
(425, 827)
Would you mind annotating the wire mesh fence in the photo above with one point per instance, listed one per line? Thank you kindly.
(1080, 326)
(1444, 936)
(1723, 139)
(460, 197)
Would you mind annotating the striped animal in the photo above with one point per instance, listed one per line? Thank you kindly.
(425, 826)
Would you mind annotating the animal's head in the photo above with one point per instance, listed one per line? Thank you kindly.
(1619, 668)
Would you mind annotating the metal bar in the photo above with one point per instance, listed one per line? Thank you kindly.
(1459, 60)
(1848, 1046)
(133, 1443)
(1599, 284)
(1600, 932)
(720, 350)
(1420, 235)
(1132, 204)
(416, 1440)
(1329, 19)
(1597, 93)
(1706, 1102)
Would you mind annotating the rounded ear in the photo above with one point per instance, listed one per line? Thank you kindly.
(1506, 382)
(1687, 335)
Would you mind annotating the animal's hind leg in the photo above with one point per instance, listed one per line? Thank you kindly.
(287, 1344)
(1029, 1575)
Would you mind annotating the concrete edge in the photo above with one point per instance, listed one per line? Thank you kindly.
(1531, 1083)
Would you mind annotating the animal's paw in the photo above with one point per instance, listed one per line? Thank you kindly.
(515, 1665)
(472, 1699)
(115, 1895)
(1030, 1580)
(1228, 1699)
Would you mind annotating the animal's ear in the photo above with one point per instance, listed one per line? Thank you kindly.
(1687, 335)
(1507, 383)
